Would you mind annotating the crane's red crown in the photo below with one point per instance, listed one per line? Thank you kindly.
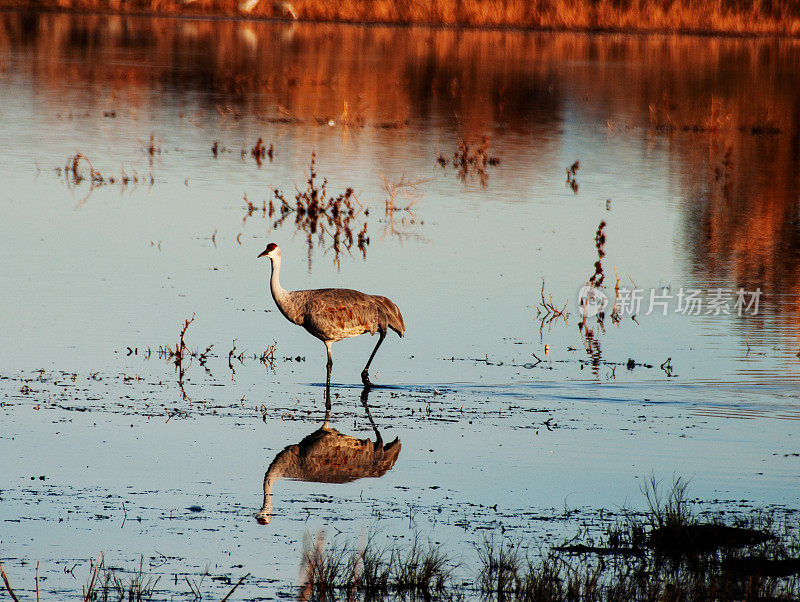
(270, 247)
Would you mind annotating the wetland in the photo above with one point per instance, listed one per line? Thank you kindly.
(594, 240)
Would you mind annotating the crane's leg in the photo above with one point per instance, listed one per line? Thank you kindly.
(328, 382)
(365, 371)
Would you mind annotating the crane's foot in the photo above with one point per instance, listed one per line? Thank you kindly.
(365, 379)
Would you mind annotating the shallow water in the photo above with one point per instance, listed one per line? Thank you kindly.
(504, 419)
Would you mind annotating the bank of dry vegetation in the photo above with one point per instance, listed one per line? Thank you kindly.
(742, 17)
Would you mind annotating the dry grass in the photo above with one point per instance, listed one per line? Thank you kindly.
(754, 557)
(720, 16)
(370, 572)
(110, 584)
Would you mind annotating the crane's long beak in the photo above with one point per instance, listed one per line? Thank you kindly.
(262, 254)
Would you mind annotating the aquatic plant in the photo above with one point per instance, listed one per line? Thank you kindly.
(332, 219)
(371, 572)
(571, 181)
(110, 584)
(471, 161)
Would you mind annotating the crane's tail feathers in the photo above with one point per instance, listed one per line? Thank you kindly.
(387, 456)
(392, 317)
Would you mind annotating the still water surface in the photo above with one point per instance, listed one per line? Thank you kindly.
(689, 151)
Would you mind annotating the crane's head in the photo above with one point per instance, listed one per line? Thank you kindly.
(264, 517)
(271, 251)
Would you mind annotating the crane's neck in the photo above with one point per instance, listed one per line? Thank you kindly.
(265, 514)
(274, 281)
(283, 466)
(280, 295)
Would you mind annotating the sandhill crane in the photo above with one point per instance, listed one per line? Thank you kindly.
(333, 314)
(281, 6)
(328, 456)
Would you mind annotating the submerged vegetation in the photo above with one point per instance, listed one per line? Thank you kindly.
(720, 16)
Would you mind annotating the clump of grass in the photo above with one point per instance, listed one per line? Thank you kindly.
(421, 570)
(332, 219)
(572, 171)
(181, 354)
(151, 147)
(676, 532)
(372, 571)
(178, 353)
(591, 341)
(322, 568)
(671, 553)
(471, 161)
(108, 584)
(251, 208)
(259, 152)
(267, 358)
(667, 553)
(368, 570)
(75, 174)
(501, 567)
(79, 169)
(117, 586)
(548, 312)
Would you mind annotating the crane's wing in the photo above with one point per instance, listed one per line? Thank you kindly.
(336, 313)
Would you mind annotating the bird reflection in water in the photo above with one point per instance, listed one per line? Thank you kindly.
(328, 456)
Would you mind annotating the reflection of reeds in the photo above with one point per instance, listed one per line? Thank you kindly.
(741, 227)
(433, 71)
(471, 161)
(547, 312)
(331, 219)
(401, 196)
(259, 152)
(75, 175)
(591, 342)
(572, 182)
(731, 16)
(664, 117)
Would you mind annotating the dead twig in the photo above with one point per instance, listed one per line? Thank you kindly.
(8, 585)
(90, 589)
(233, 589)
(547, 312)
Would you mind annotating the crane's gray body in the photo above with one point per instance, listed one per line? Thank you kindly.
(333, 314)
